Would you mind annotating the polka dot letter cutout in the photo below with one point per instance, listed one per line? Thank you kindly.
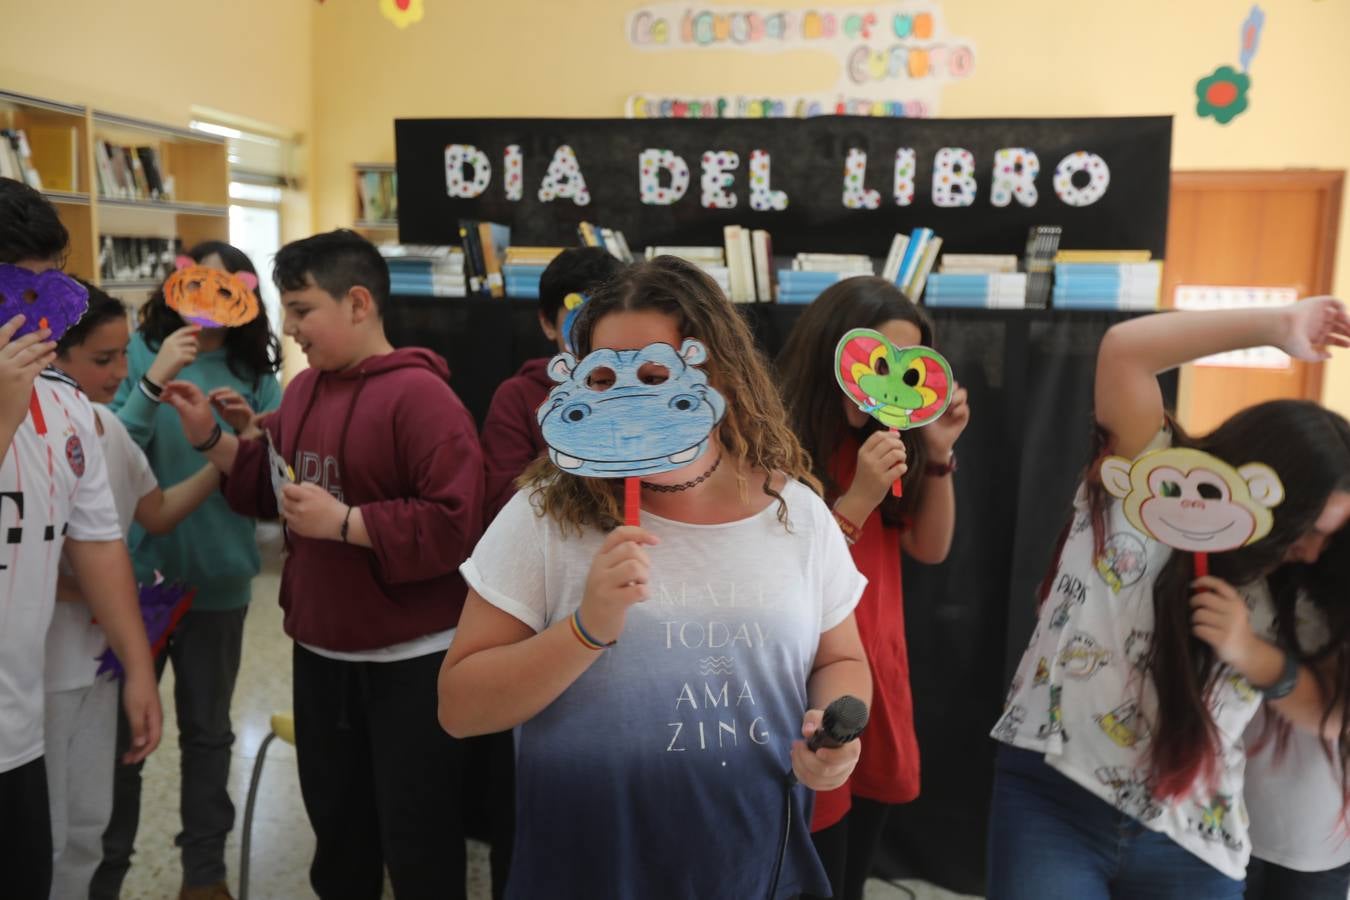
(515, 179)
(762, 197)
(1099, 176)
(953, 177)
(856, 196)
(904, 176)
(650, 163)
(717, 177)
(457, 156)
(1015, 171)
(564, 179)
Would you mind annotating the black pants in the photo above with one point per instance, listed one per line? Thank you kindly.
(379, 777)
(25, 833)
(1267, 881)
(205, 651)
(848, 847)
(490, 803)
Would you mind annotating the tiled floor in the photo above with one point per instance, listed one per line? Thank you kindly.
(282, 841)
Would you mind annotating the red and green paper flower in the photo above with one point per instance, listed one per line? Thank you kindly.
(1222, 95)
(402, 12)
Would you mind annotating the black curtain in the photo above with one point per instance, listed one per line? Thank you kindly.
(1030, 378)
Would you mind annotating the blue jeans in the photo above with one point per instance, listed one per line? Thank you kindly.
(1050, 839)
(1267, 881)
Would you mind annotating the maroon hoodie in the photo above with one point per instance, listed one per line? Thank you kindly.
(391, 438)
(511, 436)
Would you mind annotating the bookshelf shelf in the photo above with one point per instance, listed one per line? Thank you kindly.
(12, 98)
(107, 121)
(190, 209)
(67, 198)
(376, 198)
(374, 225)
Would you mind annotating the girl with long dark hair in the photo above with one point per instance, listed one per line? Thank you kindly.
(1121, 773)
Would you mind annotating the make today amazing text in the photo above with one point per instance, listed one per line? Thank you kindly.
(1081, 178)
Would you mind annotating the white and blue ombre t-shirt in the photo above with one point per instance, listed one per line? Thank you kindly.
(660, 771)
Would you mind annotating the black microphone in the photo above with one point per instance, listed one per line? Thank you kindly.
(843, 721)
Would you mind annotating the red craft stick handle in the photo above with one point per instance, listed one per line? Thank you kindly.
(1201, 565)
(632, 500)
(35, 410)
(897, 489)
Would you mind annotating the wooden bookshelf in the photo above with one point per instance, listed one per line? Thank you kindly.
(58, 136)
(65, 143)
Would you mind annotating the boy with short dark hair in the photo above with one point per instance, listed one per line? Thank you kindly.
(511, 436)
(54, 498)
(389, 502)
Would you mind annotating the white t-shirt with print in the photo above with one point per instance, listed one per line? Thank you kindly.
(74, 642)
(51, 485)
(1082, 696)
(1295, 800)
(682, 731)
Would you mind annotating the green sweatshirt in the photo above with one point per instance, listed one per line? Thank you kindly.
(214, 549)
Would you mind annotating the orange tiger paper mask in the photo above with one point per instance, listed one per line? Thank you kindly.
(212, 298)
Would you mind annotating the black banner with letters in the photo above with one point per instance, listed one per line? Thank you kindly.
(829, 184)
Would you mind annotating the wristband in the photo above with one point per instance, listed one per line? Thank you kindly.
(851, 532)
(346, 520)
(941, 470)
(1287, 682)
(150, 389)
(581, 634)
(210, 442)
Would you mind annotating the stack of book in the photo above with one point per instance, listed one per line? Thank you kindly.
(523, 268)
(910, 259)
(749, 254)
(711, 260)
(16, 159)
(607, 239)
(485, 246)
(812, 273)
(130, 173)
(1042, 244)
(989, 281)
(124, 259)
(425, 271)
(1107, 279)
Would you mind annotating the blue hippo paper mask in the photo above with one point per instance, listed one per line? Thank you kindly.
(614, 415)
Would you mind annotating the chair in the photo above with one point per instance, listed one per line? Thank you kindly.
(283, 726)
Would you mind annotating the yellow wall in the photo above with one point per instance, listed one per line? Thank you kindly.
(155, 59)
(1034, 58)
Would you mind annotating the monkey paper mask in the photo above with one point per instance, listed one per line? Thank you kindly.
(212, 298)
(51, 299)
(1190, 500)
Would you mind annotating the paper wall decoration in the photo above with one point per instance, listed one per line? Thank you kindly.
(1194, 501)
(890, 59)
(163, 605)
(1222, 95)
(211, 298)
(1198, 296)
(51, 299)
(610, 417)
(402, 12)
(900, 387)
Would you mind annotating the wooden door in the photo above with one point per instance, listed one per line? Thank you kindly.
(1259, 229)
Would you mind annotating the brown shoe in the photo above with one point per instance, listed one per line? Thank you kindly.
(217, 891)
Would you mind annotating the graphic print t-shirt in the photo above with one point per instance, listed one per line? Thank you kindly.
(52, 485)
(661, 771)
(1082, 695)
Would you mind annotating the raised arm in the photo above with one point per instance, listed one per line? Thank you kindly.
(1129, 403)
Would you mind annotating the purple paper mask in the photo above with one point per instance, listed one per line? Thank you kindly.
(51, 299)
(162, 605)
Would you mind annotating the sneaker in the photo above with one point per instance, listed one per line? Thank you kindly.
(217, 891)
